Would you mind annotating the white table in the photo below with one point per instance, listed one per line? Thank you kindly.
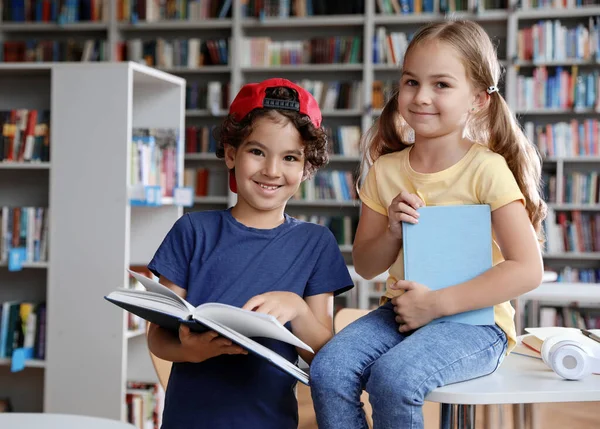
(519, 380)
(57, 421)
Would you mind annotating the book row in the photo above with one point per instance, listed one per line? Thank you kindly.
(34, 50)
(22, 325)
(25, 135)
(300, 8)
(161, 10)
(573, 231)
(550, 40)
(189, 53)
(335, 185)
(559, 89)
(24, 228)
(153, 160)
(578, 275)
(561, 139)
(264, 52)
(578, 188)
(61, 11)
(570, 317)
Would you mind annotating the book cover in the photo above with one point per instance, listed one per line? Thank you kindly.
(450, 245)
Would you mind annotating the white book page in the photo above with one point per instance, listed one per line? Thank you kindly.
(154, 286)
(256, 347)
(249, 323)
(149, 300)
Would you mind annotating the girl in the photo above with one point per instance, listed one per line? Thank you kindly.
(446, 137)
(252, 256)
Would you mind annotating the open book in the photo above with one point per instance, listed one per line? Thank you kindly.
(161, 306)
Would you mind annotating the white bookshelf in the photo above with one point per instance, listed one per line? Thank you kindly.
(97, 233)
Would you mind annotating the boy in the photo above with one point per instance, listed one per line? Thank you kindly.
(253, 256)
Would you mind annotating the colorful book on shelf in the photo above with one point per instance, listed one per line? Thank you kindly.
(161, 306)
(450, 245)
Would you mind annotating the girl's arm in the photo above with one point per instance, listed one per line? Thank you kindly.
(521, 271)
(375, 247)
(189, 346)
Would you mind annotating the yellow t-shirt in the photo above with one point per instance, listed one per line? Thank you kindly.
(480, 177)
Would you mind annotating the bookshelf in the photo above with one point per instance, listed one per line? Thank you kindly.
(98, 232)
(23, 184)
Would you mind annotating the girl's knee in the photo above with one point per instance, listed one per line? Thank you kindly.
(397, 383)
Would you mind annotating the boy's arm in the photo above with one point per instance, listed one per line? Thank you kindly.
(188, 347)
(311, 318)
(314, 326)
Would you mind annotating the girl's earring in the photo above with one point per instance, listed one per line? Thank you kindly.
(472, 109)
(410, 135)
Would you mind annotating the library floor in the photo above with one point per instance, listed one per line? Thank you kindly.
(578, 415)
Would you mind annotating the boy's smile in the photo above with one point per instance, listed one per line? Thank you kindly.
(269, 167)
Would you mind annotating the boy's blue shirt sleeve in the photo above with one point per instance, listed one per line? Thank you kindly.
(330, 273)
(173, 256)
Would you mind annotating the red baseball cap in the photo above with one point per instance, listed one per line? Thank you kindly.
(253, 96)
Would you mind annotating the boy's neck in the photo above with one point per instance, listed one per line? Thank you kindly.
(434, 155)
(252, 218)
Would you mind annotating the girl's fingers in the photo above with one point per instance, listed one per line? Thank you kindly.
(403, 217)
(405, 208)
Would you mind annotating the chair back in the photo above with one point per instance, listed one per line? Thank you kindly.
(162, 367)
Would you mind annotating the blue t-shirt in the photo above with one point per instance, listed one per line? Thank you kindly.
(218, 259)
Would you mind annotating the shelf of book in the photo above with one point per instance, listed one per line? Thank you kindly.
(33, 27)
(209, 24)
(561, 292)
(24, 165)
(355, 20)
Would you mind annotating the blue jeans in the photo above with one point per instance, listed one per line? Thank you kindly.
(397, 370)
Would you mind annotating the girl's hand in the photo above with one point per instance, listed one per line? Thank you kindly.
(416, 307)
(285, 306)
(403, 208)
(200, 347)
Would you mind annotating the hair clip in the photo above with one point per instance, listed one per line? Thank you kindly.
(492, 89)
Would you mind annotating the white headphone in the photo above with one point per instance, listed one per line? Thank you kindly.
(569, 358)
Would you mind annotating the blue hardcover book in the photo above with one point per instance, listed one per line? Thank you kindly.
(450, 245)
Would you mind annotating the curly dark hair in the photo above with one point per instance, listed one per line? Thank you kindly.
(234, 133)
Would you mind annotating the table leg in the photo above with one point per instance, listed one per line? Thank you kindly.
(517, 411)
(447, 417)
(457, 416)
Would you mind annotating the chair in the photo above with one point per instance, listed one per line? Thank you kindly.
(57, 421)
(162, 367)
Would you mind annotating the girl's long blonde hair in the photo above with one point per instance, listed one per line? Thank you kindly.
(494, 126)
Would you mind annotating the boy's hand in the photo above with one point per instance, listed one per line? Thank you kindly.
(403, 208)
(416, 307)
(200, 347)
(285, 306)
